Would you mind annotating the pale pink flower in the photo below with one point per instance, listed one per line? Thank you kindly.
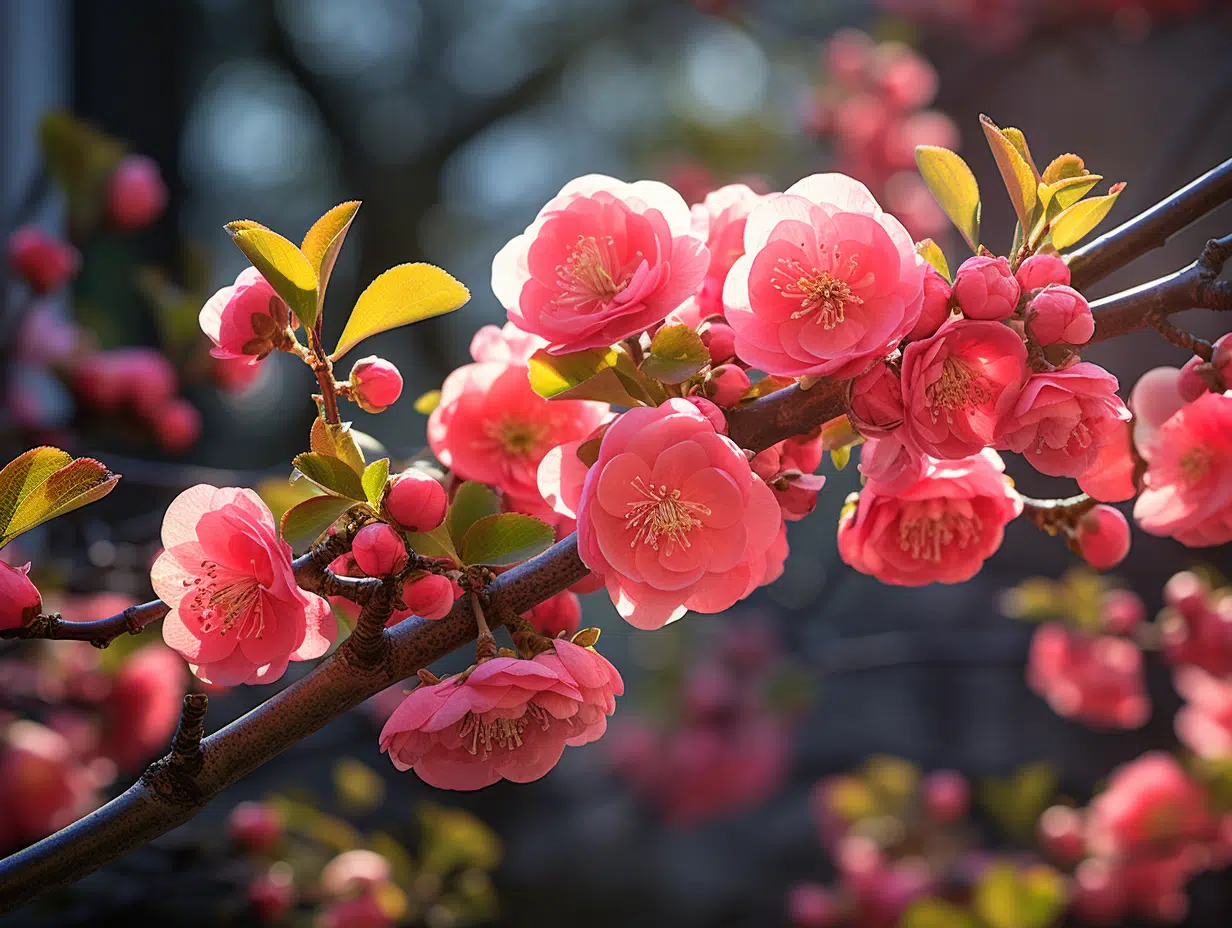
(1063, 418)
(939, 529)
(1204, 723)
(829, 282)
(1098, 681)
(603, 260)
(718, 221)
(491, 426)
(985, 288)
(505, 344)
(1188, 481)
(672, 516)
(959, 384)
(1149, 801)
(876, 401)
(237, 615)
(246, 319)
(1059, 314)
(561, 476)
(1155, 398)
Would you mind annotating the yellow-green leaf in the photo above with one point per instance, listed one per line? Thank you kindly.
(283, 265)
(505, 538)
(402, 295)
(954, 188)
(24, 474)
(936, 913)
(305, 522)
(1016, 803)
(676, 354)
(427, 403)
(1006, 897)
(840, 457)
(358, 787)
(471, 502)
(1019, 179)
(239, 225)
(44, 483)
(324, 240)
(1062, 167)
(374, 479)
(931, 252)
(435, 543)
(1019, 141)
(331, 475)
(453, 839)
(337, 441)
(1068, 191)
(581, 375)
(1075, 222)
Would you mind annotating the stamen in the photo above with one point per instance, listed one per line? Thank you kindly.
(819, 292)
(662, 514)
(958, 387)
(514, 436)
(590, 274)
(1194, 464)
(224, 606)
(926, 535)
(503, 734)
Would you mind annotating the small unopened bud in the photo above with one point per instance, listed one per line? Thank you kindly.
(379, 550)
(946, 795)
(41, 260)
(1221, 359)
(1060, 314)
(431, 596)
(177, 425)
(20, 601)
(416, 501)
(354, 871)
(255, 826)
(720, 341)
(1038, 271)
(936, 309)
(876, 401)
(136, 194)
(1102, 537)
(375, 384)
(272, 894)
(726, 384)
(1189, 382)
(711, 412)
(985, 288)
(1061, 835)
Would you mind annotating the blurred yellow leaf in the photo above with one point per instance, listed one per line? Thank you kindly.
(359, 788)
(954, 188)
(282, 264)
(1019, 179)
(936, 913)
(279, 494)
(402, 295)
(453, 839)
(427, 403)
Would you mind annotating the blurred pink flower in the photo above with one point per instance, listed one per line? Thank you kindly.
(719, 221)
(1095, 680)
(143, 707)
(1147, 802)
(1204, 723)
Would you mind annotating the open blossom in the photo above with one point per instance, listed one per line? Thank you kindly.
(1196, 625)
(491, 426)
(556, 614)
(959, 384)
(1063, 418)
(828, 284)
(1110, 478)
(1155, 399)
(237, 615)
(45, 785)
(1097, 680)
(1149, 801)
(507, 719)
(719, 221)
(673, 518)
(1188, 481)
(245, 320)
(603, 260)
(939, 529)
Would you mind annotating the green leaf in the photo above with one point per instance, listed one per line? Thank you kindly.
(504, 539)
(427, 403)
(936, 913)
(337, 441)
(1062, 167)
(1019, 141)
(582, 375)
(435, 543)
(1019, 179)
(472, 502)
(81, 160)
(323, 242)
(375, 477)
(676, 354)
(931, 252)
(402, 295)
(1008, 898)
(1075, 222)
(1067, 192)
(305, 522)
(839, 457)
(44, 483)
(283, 265)
(954, 188)
(331, 475)
(1016, 803)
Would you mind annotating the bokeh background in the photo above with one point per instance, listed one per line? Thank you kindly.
(454, 121)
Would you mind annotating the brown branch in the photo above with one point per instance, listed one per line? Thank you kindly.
(784, 413)
(1150, 229)
(1053, 515)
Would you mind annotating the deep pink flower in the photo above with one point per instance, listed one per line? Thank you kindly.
(597, 680)
(235, 375)
(43, 261)
(1204, 723)
(376, 384)
(1059, 314)
(985, 288)
(136, 194)
(416, 500)
(143, 379)
(559, 613)
(143, 707)
(492, 427)
(45, 788)
(1063, 418)
(20, 600)
(255, 826)
(1196, 626)
(719, 340)
(245, 320)
(1096, 680)
(1110, 478)
(811, 905)
(1122, 611)
(946, 795)
(959, 384)
(1038, 271)
(719, 221)
(1188, 481)
(936, 307)
(672, 516)
(272, 893)
(828, 284)
(237, 615)
(788, 468)
(940, 529)
(1189, 383)
(892, 461)
(876, 401)
(177, 425)
(1149, 801)
(603, 260)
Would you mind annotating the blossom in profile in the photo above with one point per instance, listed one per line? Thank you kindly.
(245, 320)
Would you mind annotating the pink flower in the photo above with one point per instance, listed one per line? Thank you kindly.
(255, 826)
(719, 340)
(1149, 801)
(492, 427)
(597, 680)
(876, 401)
(940, 529)
(177, 426)
(1204, 723)
(788, 468)
(672, 516)
(505, 344)
(136, 194)
(143, 707)
(1038, 271)
(245, 320)
(1188, 481)
(20, 600)
(1063, 418)
(237, 615)
(1060, 315)
(603, 260)
(1110, 478)
(828, 284)
(1196, 626)
(43, 261)
(936, 307)
(375, 384)
(44, 786)
(719, 221)
(559, 613)
(416, 500)
(562, 475)
(946, 795)
(379, 550)
(985, 288)
(1102, 537)
(1098, 681)
(1155, 399)
(892, 461)
(959, 384)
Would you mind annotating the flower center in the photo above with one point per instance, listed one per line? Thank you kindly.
(819, 292)
(515, 436)
(502, 734)
(589, 273)
(926, 535)
(1194, 464)
(662, 514)
(958, 387)
(224, 606)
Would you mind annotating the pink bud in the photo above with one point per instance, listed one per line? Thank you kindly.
(1123, 611)
(936, 305)
(354, 871)
(905, 78)
(44, 262)
(136, 194)
(255, 826)
(430, 597)
(375, 384)
(177, 425)
(811, 905)
(1221, 358)
(876, 401)
(148, 377)
(946, 795)
(711, 412)
(416, 501)
(272, 894)
(1100, 896)
(1103, 537)
(986, 289)
(379, 550)
(559, 613)
(1038, 271)
(1060, 834)
(1189, 383)
(726, 384)
(1060, 314)
(720, 341)
(846, 55)
(20, 601)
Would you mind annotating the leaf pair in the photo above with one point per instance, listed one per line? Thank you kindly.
(607, 375)
(44, 483)
(477, 532)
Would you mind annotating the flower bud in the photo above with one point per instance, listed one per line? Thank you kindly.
(811, 905)
(1038, 271)
(1121, 611)
(876, 401)
(1061, 835)
(985, 288)
(1103, 537)
(177, 426)
(946, 795)
(1060, 314)
(559, 613)
(416, 501)
(379, 550)
(936, 305)
(1189, 383)
(726, 384)
(711, 412)
(375, 384)
(20, 601)
(44, 262)
(136, 194)
(354, 871)
(720, 341)
(430, 597)
(272, 894)
(255, 826)
(1221, 358)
